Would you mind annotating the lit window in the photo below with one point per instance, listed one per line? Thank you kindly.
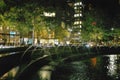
(80, 3)
(80, 22)
(75, 7)
(80, 26)
(77, 22)
(74, 22)
(48, 14)
(69, 29)
(76, 15)
(77, 3)
(80, 14)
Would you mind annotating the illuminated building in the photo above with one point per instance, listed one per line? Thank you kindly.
(77, 20)
(9, 36)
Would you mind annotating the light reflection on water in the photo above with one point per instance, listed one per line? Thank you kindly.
(112, 67)
(98, 68)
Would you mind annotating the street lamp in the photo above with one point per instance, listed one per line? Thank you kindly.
(112, 28)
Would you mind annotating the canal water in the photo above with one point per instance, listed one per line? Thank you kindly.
(105, 67)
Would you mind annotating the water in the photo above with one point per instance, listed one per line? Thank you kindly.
(105, 67)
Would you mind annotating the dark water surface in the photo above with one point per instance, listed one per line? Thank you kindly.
(105, 67)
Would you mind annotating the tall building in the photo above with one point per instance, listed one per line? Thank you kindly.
(72, 17)
(77, 20)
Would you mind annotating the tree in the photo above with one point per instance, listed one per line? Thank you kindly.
(29, 21)
(26, 18)
(61, 33)
(115, 33)
(92, 28)
(2, 6)
(5, 27)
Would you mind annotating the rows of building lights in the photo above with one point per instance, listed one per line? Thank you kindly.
(77, 25)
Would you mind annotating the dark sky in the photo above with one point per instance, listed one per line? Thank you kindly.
(104, 4)
(110, 8)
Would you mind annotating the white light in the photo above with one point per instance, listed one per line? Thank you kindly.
(76, 4)
(74, 15)
(80, 3)
(78, 22)
(112, 67)
(77, 15)
(87, 45)
(75, 22)
(112, 29)
(48, 14)
(75, 7)
(0, 28)
(80, 26)
(80, 14)
(67, 42)
(69, 29)
(79, 33)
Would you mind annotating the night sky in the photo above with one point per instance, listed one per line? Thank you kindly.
(110, 8)
(110, 5)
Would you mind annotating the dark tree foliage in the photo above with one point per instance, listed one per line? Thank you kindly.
(60, 7)
(46, 3)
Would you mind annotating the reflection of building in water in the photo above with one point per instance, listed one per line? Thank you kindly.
(112, 67)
